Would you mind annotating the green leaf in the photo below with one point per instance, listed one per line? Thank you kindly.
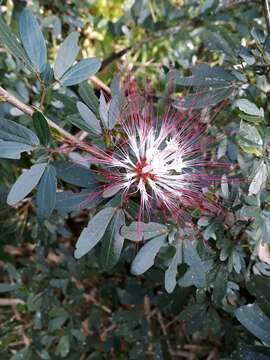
(204, 75)
(80, 71)
(33, 302)
(24, 354)
(196, 274)
(249, 107)
(209, 232)
(205, 97)
(171, 272)
(33, 40)
(250, 134)
(46, 194)
(247, 352)
(225, 187)
(94, 231)
(112, 190)
(258, 180)
(146, 256)
(260, 287)
(89, 117)
(11, 43)
(103, 110)
(5, 287)
(78, 335)
(63, 346)
(67, 201)
(218, 40)
(258, 35)
(59, 284)
(220, 285)
(58, 318)
(77, 121)
(235, 260)
(115, 85)
(66, 55)
(42, 128)
(13, 150)
(53, 22)
(114, 112)
(265, 226)
(11, 131)
(247, 55)
(25, 183)
(222, 148)
(57, 322)
(250, 139)
(252, 318)
(194, 316)
(88, 95)
(113, 242)
(75, 174)
(139, 231)
(68, 102)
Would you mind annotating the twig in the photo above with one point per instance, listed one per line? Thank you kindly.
(13, 302)
(173, 321)
(43, 96)
(28, 110)
(147, 311)
(175, 354)
(114, 56)
(10, 302)
(213, 355)
(146, 39)
(105, 332)
(173, 30)
(100, 84)
(164, 332)
(90, 298)
(266, 10)
(6, 96)
(194, 347)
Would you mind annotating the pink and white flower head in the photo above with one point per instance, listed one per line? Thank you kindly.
(161, 159)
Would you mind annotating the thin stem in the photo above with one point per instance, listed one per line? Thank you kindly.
(43, 96)
(7, 97)
(266, 10)
(100, 84)
(146, 39)
(28, 110)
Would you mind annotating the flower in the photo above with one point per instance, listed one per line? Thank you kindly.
(159, 158)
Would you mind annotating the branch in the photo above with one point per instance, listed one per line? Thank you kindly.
(100, 84)
(6, 96)
(114, 56)
(28, 110)
(10, 302)
(146, 39)
(172, 30)
(266, 10)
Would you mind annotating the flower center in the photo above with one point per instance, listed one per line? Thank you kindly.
(144, 171)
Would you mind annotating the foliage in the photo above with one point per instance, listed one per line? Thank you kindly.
(84, 277)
